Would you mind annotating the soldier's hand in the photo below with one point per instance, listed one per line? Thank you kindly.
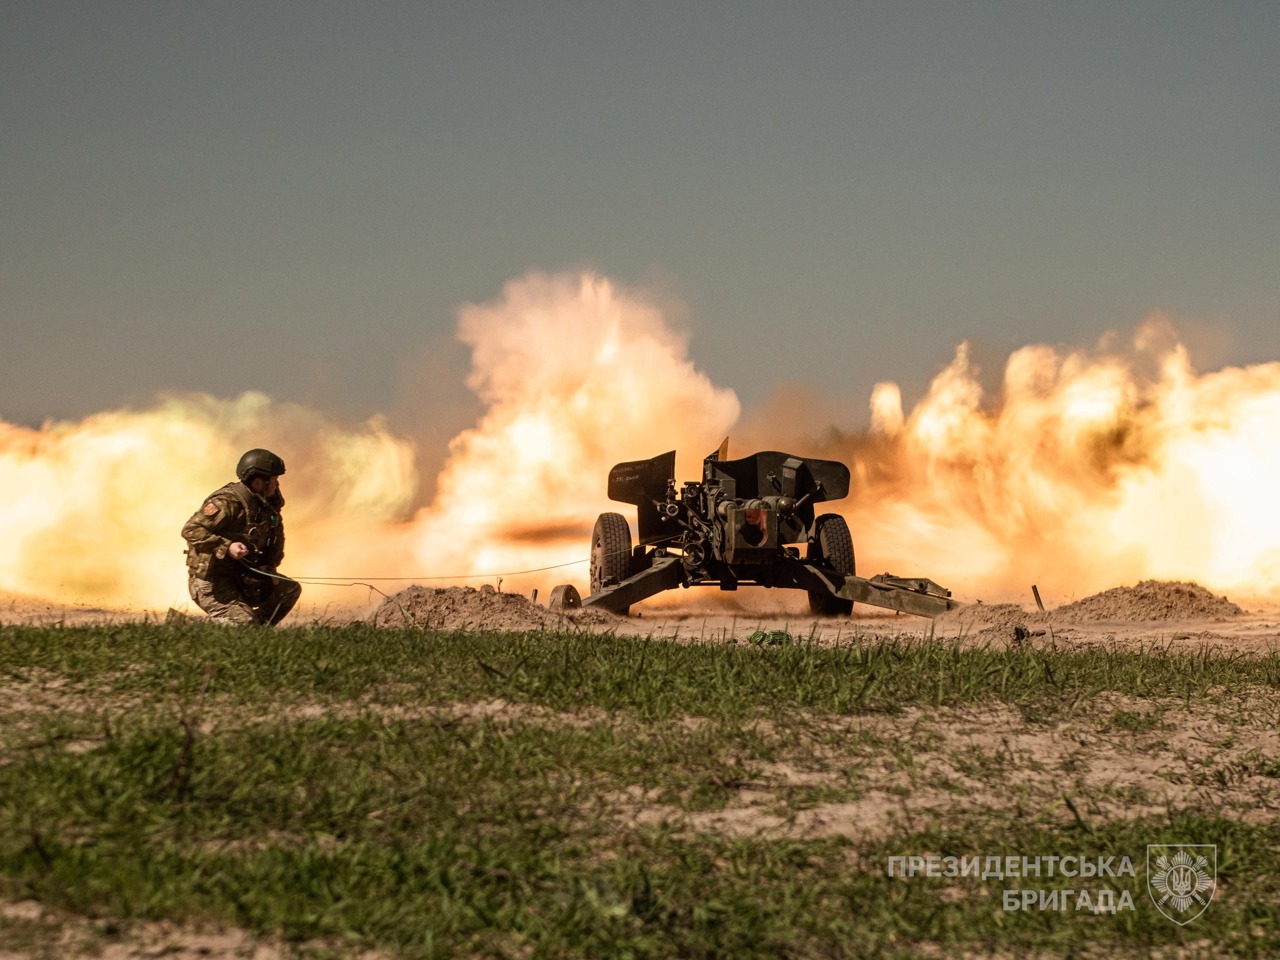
(238, 551)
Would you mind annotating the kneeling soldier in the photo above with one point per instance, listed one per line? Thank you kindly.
(238, 530)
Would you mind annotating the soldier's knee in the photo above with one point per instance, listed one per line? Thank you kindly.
(282, 600)
(288, 594)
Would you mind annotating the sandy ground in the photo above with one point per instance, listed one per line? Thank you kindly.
(1141, 616)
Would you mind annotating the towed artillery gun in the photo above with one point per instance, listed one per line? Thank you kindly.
(743, 524)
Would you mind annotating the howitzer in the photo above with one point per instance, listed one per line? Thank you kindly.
(743, 524)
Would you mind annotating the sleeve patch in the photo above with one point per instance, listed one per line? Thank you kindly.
(210, 509)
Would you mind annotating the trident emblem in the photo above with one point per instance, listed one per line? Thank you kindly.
(1182, 878)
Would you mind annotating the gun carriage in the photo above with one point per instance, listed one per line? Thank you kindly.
(747, 522)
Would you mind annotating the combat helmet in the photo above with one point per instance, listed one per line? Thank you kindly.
(258, 463)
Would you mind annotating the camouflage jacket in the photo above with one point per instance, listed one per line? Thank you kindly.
(233, 514)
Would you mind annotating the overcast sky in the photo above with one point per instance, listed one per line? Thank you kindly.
(297, 197)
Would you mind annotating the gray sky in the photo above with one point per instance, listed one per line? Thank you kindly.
(297, 197)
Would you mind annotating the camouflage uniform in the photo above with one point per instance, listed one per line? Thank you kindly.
(227, 589)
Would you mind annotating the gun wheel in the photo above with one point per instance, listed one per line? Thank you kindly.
(832, 544)
(610, 552)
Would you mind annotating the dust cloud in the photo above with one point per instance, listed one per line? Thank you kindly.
(1087, 469)
(576, 374)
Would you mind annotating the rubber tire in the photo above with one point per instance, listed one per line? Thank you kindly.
(832, 544)
(610, 551)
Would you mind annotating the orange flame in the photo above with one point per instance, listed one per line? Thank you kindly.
(89, 508)
(1091, 468)
(1083, 474)
(576, 374)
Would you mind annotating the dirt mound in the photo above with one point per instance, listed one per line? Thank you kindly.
(982, 615)
(465, 608)
(992, 621)
(1150, 600)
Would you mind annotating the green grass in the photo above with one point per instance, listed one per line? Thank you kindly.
(653, 679)
(341, 788)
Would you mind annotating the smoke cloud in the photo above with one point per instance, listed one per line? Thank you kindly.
(576, 375)
(89, 508)
(1089, 468)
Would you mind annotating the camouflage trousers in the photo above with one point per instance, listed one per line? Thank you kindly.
(228, 599)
